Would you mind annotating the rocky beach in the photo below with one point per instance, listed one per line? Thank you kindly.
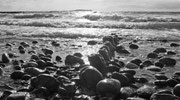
(90, 59)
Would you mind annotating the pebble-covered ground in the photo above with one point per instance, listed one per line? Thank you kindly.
(148, 79)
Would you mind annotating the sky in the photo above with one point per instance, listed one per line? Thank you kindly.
(97, 5)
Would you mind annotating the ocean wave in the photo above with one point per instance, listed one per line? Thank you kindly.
(121, 25)
(61, 35)
(33, 15)
(116, 17)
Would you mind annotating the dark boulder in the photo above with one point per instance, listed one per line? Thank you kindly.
(168, 61)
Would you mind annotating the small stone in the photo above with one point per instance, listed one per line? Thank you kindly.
(172, 82)
(78, 55)
(159, 64)
(58, 59)
(146, 63)
(122, 78)
(163, 96)
(171, 53)
(145, 91)
(160, 77)
(176, 90)
(133, 46)
(112, 68)
(92, 42)
(17, 75)
(160, 83)
(168, 61)
(160, 50)
(34, 42)
(153, 68)
(136, 61)
(152, 55)
(174, 45)
(1, 71)
(5, 58)
(131, 66)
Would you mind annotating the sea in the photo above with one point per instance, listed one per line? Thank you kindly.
(90, 24)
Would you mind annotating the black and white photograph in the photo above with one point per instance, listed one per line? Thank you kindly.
(89, 49)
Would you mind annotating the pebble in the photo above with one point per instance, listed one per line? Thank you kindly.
(122, 78)
(168, 61)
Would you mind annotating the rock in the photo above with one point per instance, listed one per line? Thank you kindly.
(70, 88)
(22, 51)
(26, 77)
(72, 60)
(30, 64)
(145, 91)
(159, 64)
(171, 53)
(116, 63)
(146, 63)
(172, 82)
(54, 43)
(136, 61)
(166, 91)
(5, 58)
(112, 68)
(108, 50)
(16, 75)
(8, 45)
(168, 61)
(161, 77)
(131, 66)
(163, 96)
(122, 78)
(153, 68)
(1, 71)
(34, 42)
(174, 45)
(97, 61)
(135, 98)
(17, 67)
(127, 92)
(78, 55)
(160, 83)
(92, 42)
(160, 50)
(108, 87)
(123, 51)
(111, 48)
(89, 77)
(35, 57)
(104, 53)
(176, 73)
(17, 96)
(133, 46)
(129, 71)
(110, 39)
(141, 79)
(24, 44)
(41, 64)
(45, 80)
(33, 71)
(176, 90)
(47, 51)
(152, 55)
(130, 77)
(63, 79)
(120, 47)
(40, 92)
(21, 48)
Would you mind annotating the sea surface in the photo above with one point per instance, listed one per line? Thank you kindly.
(90, 24)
